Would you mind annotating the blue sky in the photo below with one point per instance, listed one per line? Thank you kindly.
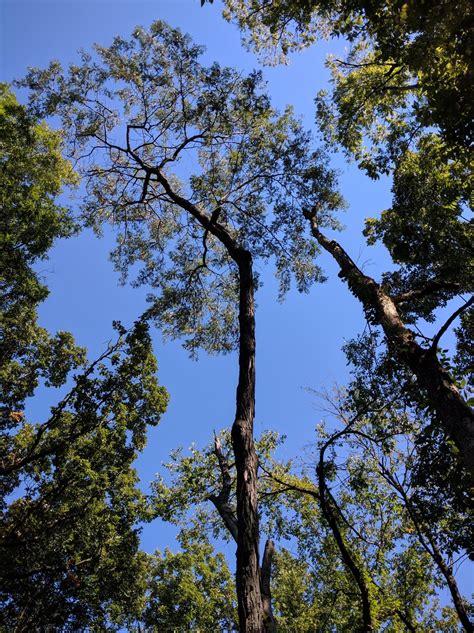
(298, 342)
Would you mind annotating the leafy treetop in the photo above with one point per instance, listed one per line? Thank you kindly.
(152, 127)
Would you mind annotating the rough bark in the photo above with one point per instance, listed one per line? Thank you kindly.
(250, 606)
(454, 414)
(221, 502)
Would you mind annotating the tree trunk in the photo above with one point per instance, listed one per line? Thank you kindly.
(249, 595)
(270, 625)
(454, 414)
(250, 606)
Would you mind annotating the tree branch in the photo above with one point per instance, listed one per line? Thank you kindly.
(221, 501)
(266, 572)
(434, 285)
(453, 412)
(346, 555)
(449, 321)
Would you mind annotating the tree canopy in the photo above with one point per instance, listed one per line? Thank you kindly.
(206, 185)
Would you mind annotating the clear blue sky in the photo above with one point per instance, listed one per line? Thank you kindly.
(299, 341)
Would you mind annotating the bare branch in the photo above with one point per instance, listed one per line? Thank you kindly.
(449, 321)
(221, 501)
(434, 285)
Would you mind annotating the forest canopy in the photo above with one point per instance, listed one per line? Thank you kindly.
(207, 186)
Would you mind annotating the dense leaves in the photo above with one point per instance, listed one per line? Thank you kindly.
(192, 589)
(194, 168)
(368, 474)
(32, 175)
(417, 49)
(70, 501)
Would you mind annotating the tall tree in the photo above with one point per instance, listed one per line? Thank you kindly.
(390, 110)
(69, 495)
(145, 106)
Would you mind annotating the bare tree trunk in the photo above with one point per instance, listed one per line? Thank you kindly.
(250, 606)
(221, 502)
(270, 625)
(454, 414)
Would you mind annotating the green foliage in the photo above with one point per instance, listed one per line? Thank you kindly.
(191, 590)
(425, 46)
(70, 501)
(401, 103)
(212, 134)
(312, 589)
(32, 176)
(441, 490)
(70, 532)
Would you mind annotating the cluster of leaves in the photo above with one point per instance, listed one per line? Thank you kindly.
(32, 175)
(417, 49)
(401, 103)
(71, 506)
(192, 589)
(442, 489)
(136, 115)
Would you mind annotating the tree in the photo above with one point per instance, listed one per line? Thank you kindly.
(70, 501)
(418, 48)
(389, 110)
(134, 112)
(33, 174)
(136, 116)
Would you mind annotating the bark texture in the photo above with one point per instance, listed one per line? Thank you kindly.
(250, 606)
(270, 625)
(221, 502)
(455, 415)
